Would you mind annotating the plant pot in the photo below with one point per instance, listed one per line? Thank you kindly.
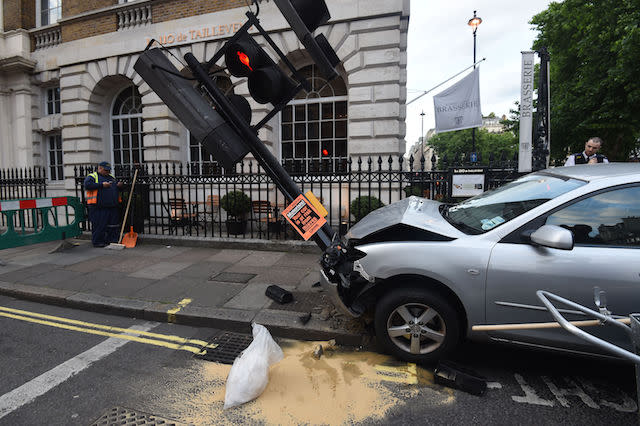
(236, 227)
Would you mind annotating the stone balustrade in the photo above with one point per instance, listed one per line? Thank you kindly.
(134, 17)
(47, 38)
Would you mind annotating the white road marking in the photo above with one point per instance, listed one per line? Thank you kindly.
(494, 385)
(530, 395)
(29, 391)
(575, 390)
(628, 405)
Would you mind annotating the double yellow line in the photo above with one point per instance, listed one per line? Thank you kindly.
(172, 342)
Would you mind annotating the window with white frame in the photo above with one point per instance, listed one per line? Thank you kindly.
(54, 157)
(53, 100)
(201, 162)
(50, 11)
(126, 128)
(314, 126)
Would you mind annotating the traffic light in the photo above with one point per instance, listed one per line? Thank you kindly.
(266, 81)
(206, 125)
(305, 16)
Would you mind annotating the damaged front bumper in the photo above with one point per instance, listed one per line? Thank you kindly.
(341, 280)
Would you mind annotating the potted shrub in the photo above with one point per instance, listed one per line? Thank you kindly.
(237, 204)
(362, 206)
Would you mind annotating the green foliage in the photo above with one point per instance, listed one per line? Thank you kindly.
(236, 203)
(413, 190)
(594, 72)
(459, 141)
(363, 205)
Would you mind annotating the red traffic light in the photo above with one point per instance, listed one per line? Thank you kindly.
(244, 59)
(325, 152)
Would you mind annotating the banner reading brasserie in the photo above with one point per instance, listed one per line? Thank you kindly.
(526, 108)
(458, 107)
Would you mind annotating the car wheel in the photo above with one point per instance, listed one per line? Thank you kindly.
(416, 325)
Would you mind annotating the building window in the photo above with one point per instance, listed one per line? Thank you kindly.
(314, 127)
(54, 154)
(126, 122)
(200, 161)
(53, 100)
(50, 11)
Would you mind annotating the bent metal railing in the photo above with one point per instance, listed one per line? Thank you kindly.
(36, 220)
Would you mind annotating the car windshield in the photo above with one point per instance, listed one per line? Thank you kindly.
(491, 209)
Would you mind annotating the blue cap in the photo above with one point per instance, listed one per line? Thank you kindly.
(105, 165)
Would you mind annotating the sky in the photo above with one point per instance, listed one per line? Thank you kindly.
(440, 45)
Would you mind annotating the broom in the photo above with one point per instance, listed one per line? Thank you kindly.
(119, 245)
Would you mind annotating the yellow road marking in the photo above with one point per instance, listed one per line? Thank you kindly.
(405, 374)
(114, 330)
(171, 313)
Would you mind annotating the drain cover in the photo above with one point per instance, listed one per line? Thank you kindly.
(125, 416)
(230, 345)
(232, 277)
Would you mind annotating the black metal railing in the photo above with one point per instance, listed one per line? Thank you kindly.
(170, 199)
(20, 183)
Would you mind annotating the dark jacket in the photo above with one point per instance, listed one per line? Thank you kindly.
(107, 197)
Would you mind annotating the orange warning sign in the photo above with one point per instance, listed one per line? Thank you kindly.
(303, 217)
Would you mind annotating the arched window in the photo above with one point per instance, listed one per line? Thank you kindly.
(126, 128)
(314, 126)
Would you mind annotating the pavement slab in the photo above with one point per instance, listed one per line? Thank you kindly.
(203, 270)
(27, 271)
(279, 275)
(129, 265)
(194, 255)
(229, 256)
(299, 260)
(94, 264)
(52, 278)
(261, 259)
(167, 252)
(166, 290)
(115, 284)
(157, 271)
(212, 293)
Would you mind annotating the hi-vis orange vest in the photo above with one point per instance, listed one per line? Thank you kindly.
(91, 195)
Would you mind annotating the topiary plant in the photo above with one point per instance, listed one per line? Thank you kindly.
(363, 205)
(236, 203)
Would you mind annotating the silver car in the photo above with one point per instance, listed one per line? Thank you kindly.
(428, 271)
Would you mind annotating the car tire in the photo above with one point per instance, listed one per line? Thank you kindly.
(416, 325)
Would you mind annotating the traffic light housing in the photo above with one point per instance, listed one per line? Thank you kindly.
(305, 16)
(266, 81)
(206, 125)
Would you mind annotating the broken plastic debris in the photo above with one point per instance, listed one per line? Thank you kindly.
(456, 376)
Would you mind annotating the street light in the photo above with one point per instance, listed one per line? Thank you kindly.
(422, 136)
(474, 23)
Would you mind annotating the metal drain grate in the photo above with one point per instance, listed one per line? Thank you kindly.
(230, 345)
(125, 416)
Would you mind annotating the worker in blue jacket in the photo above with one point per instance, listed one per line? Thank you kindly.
(102, 193)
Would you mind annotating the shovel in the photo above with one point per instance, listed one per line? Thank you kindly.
(120, 246)
(130, 238)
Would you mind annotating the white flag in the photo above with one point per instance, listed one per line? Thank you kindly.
(458, 107)
(526, 112)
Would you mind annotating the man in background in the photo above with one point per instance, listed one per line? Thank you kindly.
(589, 155)
(103, 199)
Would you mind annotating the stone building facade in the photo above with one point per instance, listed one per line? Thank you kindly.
(69, 94)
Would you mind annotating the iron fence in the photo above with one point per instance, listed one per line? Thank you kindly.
(172, 199)
(20, 183)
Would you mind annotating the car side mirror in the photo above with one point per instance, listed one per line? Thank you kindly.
(553, 236)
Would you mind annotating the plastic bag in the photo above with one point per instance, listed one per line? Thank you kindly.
(249, 373)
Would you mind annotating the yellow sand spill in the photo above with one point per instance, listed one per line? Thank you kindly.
(340, 387)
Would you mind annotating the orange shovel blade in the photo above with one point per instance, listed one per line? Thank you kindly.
(130, 238)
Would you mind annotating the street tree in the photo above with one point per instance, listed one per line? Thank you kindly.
(595, 77)
(452, 144)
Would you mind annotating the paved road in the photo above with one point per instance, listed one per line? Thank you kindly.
(59, 372)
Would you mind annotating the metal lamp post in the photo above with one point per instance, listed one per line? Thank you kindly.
(474, 23)
(422, 135)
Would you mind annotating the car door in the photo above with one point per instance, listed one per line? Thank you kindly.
(606, 254)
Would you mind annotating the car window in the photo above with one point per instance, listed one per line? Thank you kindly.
(495, 207)
(607, 219)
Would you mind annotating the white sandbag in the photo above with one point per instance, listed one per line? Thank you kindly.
(249, 373)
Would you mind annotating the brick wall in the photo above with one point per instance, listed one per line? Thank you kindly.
(19, 14)
(75, 7)
(89, 28)
(175, 9)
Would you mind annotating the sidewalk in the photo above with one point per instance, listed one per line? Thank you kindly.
(225, 288)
